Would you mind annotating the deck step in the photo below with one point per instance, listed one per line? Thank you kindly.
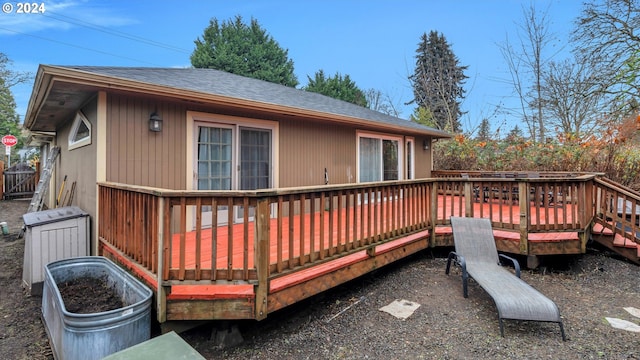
(515, 236)
(537, 237)
(302, 276)
(554, 237)
(211, 292)
(621, 241)
(601, 230)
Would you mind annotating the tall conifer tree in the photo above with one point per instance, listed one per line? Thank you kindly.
(338, 87)
(438, 81)
(242, 49)
(9, 118)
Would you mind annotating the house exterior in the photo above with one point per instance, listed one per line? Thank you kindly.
(232, 198)
(204, 129)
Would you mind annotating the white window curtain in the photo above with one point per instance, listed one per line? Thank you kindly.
(370, 155)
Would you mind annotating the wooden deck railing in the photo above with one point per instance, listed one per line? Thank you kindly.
(618, 209)
(342, 219)
(305, 226)
(551, 204)
(252, 236)
(128, 218)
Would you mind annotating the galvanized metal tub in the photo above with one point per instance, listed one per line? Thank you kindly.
(94, 335)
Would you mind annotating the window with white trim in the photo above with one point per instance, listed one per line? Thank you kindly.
(379, 157)
(80, 134)
(410, 164)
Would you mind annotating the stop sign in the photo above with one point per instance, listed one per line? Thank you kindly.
(9, 140)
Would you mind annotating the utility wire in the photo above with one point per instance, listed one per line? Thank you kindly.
(82, 23)
(116, 33)
(78, 46)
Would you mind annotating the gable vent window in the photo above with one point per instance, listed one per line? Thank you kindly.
(80, 134)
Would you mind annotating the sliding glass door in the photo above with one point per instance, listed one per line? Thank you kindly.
(223, 148)
(378, 159)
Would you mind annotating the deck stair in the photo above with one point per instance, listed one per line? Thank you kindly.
(615, 242)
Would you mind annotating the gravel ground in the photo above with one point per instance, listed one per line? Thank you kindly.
(346, 323)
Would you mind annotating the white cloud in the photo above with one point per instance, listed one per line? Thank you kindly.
(61, 15)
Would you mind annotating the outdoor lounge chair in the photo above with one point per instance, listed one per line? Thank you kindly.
(476, 254)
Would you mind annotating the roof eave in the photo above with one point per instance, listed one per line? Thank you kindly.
(48, 74)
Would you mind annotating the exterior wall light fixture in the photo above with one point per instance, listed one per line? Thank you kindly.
(155, 122)
(426, 144)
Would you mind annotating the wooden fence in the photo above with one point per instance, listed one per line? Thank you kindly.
(20, 181)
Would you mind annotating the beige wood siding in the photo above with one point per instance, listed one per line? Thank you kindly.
(78, 165)
(138, 156)
(423, 163)
(307, 148)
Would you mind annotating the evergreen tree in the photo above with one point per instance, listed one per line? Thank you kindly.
(423, 116)
(245, 50)
(337, 87)
(515, 135)
(438, 81)
(9, 118)
(484, 132)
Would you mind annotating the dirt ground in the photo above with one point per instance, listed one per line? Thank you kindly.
(346, 323)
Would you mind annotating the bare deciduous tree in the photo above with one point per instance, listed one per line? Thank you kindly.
(10, 77)
(526, 65)
(607, 33)
(569, 99)
(382, 102)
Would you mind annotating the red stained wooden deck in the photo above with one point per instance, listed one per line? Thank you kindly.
(501, 213)
(216, 273)
(504, 212)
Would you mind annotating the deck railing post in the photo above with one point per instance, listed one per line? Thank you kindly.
(434, 209)
(586, 211)
(161, 297)
(525, 203)
(468, 199)
(261, 246)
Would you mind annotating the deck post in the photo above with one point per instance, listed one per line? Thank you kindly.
(161, 294)
(262, 257)
(525, 201)
(586, 211)
(434, 213)
(468, 200)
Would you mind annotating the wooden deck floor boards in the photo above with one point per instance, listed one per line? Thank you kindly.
(243, 245)
(185, 298)
(238, 231)
(216, 273)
